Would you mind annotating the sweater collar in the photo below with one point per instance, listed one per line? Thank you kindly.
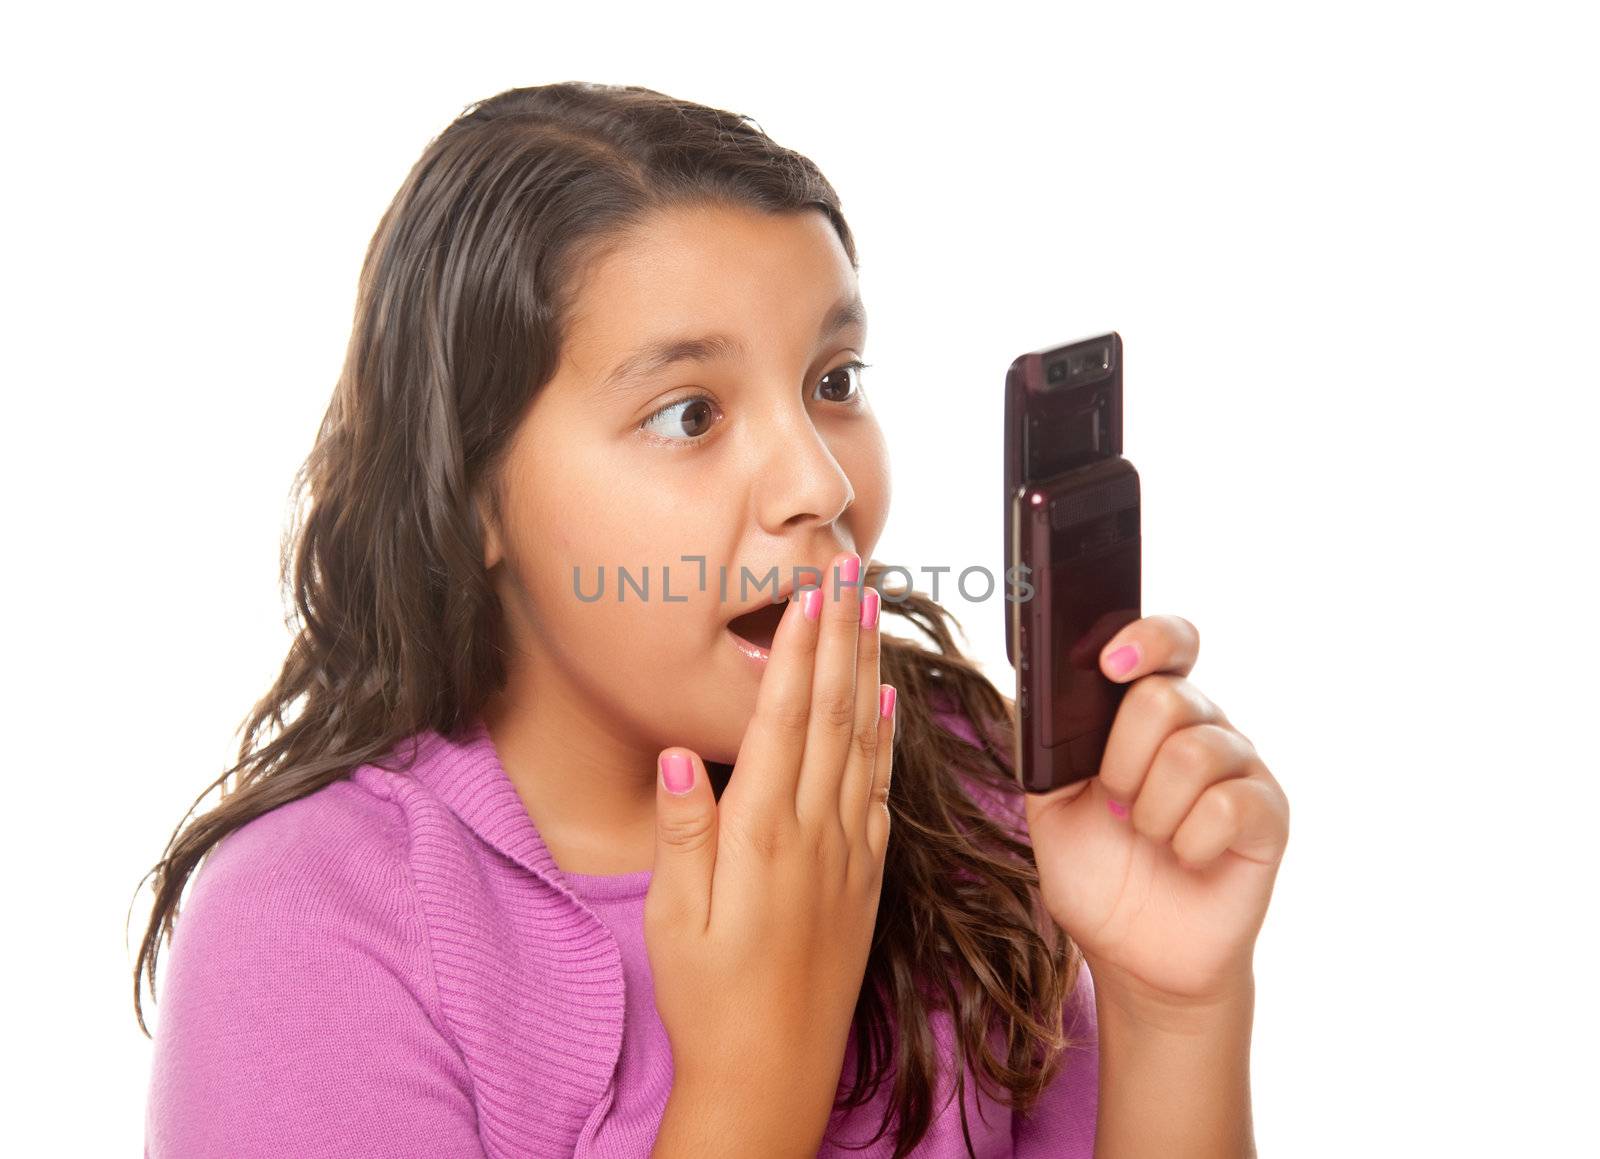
(464, 771)
(554, 970)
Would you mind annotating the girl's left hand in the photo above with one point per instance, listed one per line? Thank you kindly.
(1160, 868)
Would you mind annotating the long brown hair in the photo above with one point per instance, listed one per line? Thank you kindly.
(463, 299)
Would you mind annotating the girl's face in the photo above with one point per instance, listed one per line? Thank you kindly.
(755, 449)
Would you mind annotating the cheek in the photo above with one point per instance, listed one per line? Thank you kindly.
(868, 467)
(653, 667)
(580, 544)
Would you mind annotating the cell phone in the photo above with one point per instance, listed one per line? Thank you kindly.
(1072, 541)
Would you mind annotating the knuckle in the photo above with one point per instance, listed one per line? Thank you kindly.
(788, 718)
(865, 741)
(1143, 820)
(763, 836)
(1194, 632)
(1239, 746)
(837, 708)
(1195, 750)
(1174, 699)
(1186, 848)
(879, 796)
(690, 833)
(1224, 806)
(1155, 695)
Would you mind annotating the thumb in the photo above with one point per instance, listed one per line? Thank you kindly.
(686, 833)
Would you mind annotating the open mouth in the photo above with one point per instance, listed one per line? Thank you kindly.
(759, 626)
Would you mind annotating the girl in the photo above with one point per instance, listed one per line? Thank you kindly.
(717, 869)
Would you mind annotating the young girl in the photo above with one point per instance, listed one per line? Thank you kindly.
(608, 821)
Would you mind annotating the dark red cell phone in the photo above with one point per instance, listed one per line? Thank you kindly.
(1072, 553)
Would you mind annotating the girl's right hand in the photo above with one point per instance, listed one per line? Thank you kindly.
(761, 908)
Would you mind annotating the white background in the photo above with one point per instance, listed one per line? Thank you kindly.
(1352, 251)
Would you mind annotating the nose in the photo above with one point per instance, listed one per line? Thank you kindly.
(801, 480)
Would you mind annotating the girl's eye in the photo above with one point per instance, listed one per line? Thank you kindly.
(688, 419)
(853, 388)
(690, 415)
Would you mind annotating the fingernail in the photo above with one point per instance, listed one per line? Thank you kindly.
(1123, 660)
(869, 608)
(677, 773)
(886, 696)
(850, 570)
(1118, 809)
(811, 602)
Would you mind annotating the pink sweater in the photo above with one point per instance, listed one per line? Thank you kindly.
(395, 966)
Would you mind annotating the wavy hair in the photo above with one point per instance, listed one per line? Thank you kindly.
(464, 296)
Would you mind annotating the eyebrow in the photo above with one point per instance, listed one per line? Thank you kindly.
(654, 357)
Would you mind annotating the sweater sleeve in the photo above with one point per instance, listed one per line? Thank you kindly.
(298, 1013)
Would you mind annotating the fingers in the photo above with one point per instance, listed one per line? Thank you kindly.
(686, 841)
(1248, 816)
(835, 709)
(1188, 763)
(1174, 765)
(777, 731)
(1086, 650)
(1154, 707)
(1168, 644)
(861, 763)
(878, 800)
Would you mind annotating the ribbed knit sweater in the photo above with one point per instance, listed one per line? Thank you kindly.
(394, 965)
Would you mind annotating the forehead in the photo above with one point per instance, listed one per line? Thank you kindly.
(686, 267)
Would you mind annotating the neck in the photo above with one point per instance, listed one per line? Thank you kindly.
(589, 790)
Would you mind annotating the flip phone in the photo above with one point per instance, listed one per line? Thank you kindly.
(1072, 542)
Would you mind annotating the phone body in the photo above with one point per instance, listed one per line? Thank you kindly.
(1072, 541)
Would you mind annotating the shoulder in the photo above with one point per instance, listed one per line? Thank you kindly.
(352, 849)
(334, 849)
(298, 1010)
(314, 879)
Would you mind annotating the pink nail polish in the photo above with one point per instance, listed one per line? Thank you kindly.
(677, 773)
(811, 603)
(850, 570)
(869, 608)
(886, 696)
(1123, 660)
(1118, 809)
